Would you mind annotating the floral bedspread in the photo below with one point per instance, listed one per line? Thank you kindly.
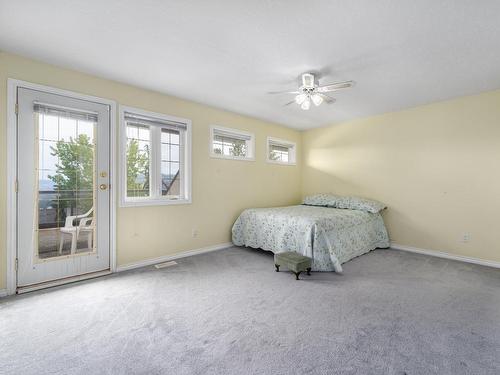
(330, 236)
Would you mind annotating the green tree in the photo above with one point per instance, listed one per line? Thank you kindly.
(74, 178)
(273, 155)
(137, 169)
(239, 149)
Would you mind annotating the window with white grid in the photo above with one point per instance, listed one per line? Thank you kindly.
(281, 151)
(156, 158)
(229, 143)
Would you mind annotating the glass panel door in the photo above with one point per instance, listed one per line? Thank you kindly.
(63, 202)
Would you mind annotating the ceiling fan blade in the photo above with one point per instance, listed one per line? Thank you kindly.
(283, 92)
(327, 99)
(293, 101)
(335, 86)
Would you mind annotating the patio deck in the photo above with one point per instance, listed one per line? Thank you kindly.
(48, 243)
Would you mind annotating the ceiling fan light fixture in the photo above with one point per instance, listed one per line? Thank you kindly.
(309, 91)
(306, 104)
(316, 99)
(308, 80)
(299, 99)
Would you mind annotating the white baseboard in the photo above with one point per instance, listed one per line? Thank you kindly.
(166, 258)
(440, 254)
(3, 293)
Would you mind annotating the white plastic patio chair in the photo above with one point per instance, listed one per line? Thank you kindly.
(86, 225)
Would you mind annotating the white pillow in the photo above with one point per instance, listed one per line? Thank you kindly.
(362, 204)
(323, 200)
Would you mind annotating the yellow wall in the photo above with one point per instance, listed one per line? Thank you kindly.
(221, 188)
(437, 167)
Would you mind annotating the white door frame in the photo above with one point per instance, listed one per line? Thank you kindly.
(12, 85)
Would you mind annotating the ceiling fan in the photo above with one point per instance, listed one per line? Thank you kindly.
(310, 91)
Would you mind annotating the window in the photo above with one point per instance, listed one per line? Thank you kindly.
(280, 151)
(156, 158)
(231, 143)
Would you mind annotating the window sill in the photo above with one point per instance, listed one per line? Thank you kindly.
(218, 156)
(154, 202)
(280, 162)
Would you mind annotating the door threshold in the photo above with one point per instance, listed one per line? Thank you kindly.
(58, 282)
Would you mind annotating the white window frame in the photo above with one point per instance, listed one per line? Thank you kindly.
(155, 199)
(292, 154)
(250, 144)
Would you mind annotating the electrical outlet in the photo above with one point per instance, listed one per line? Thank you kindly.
(466, 237)
(194, 233)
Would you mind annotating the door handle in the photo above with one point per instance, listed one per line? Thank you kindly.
(103, 186)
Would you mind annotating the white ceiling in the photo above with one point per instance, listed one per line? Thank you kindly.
(228, 54)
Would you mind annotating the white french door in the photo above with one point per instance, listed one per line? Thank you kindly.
(63, 200)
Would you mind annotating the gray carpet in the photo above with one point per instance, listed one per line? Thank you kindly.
(229, 312)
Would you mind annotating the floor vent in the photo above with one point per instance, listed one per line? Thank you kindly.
(165, 264)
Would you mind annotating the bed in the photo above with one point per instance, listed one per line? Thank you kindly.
(329, 235)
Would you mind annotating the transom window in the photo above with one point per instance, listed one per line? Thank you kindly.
(231, 143)
(156, 165)
(280, 151)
